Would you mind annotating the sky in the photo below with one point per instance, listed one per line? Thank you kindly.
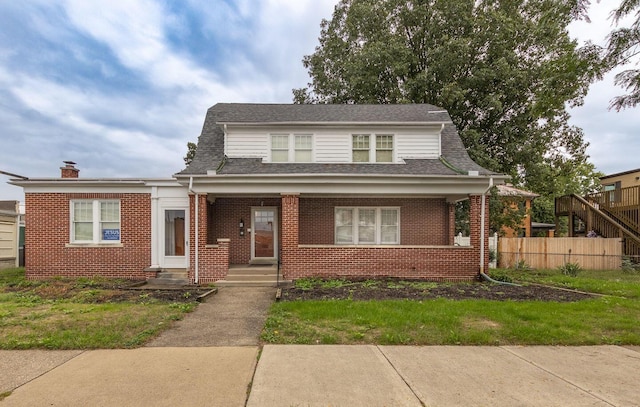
(121, 86)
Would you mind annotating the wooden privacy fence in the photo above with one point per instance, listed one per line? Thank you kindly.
(549, 253)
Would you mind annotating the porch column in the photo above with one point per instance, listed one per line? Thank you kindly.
(289, 225)
(451, 207)
(475, 212)
(201, 230)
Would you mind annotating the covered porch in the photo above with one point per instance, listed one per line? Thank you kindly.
(312, 234)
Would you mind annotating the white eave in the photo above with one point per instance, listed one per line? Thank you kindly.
(369, 184)
(103, 185)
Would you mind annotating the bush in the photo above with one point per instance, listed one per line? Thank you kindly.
(500, 275)
(570, 269)
(629, 266)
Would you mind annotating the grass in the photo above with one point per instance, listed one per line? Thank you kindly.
(608, 282)
(611, 319)
(31, 320)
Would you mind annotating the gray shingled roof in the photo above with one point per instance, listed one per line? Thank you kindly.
(210, 151)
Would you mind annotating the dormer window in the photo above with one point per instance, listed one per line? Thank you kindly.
(372, 148)
(291, 148)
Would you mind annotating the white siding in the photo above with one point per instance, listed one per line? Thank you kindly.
(333, 148)
(417, 146)
(8, 237)
(247, 144)
(333, 145)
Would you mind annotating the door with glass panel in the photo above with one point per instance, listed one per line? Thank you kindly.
(264, 234)
(175, 234)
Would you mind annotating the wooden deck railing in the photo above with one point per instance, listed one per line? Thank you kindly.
(596, 220)
(622, 204)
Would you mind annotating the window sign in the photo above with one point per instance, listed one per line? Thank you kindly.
(110, 234)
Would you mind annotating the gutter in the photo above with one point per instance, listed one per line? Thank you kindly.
(197, 211)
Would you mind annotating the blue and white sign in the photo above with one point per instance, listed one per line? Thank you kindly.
(110, 234)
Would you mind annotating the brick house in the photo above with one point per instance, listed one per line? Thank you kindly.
(325, 190)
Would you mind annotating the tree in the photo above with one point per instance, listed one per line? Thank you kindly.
(191, 152)
(623, 44)
(505, 70)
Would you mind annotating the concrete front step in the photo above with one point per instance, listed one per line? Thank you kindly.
(226, 283)
(168, 281)
(254, 275)
(171, 277)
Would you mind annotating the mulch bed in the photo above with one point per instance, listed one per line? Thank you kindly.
(105, 291)
(395, 290)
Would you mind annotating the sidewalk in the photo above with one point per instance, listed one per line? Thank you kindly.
(294, 375)
(335, 375)
(142, 377)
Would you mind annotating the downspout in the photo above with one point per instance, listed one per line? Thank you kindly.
(196, 226)
(482, 225)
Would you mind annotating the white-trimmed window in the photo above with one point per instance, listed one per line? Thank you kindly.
(376, 148)
(279, 148)
(291, 148)
(367, 225)
(95, 221)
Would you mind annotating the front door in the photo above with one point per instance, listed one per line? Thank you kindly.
(264, 234)
(175, 241)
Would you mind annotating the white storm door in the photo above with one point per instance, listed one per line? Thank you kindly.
(175, 237)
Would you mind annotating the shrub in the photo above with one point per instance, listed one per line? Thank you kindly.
(493, 256)
(570, 269)
(629, 266)
(500, 275)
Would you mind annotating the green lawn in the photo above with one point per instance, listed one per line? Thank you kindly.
(30, 318)
(604, 320)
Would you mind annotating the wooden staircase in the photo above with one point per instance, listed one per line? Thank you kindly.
(252, 275)
(610, 214)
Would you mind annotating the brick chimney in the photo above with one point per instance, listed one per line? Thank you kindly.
(69, 170)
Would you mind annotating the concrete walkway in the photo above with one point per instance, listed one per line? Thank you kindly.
(232, 317)
(332, 375)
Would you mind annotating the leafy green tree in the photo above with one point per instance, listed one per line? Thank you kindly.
(505, 70)
(191, 152)
(623, 46)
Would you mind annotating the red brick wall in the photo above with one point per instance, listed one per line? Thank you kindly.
(436, 263)
(47, 232)
(224, 216)
(213, 262)
(422, 221)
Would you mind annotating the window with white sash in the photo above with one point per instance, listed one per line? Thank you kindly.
(296, 148)
(367, 225)
(95, 221)
(372, 148)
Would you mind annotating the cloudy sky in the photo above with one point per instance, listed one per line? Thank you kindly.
(121, 86)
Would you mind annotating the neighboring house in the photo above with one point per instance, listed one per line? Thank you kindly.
(325, 190)
(517, 199)
(9, 234)
(620, 180)
(614, 212)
